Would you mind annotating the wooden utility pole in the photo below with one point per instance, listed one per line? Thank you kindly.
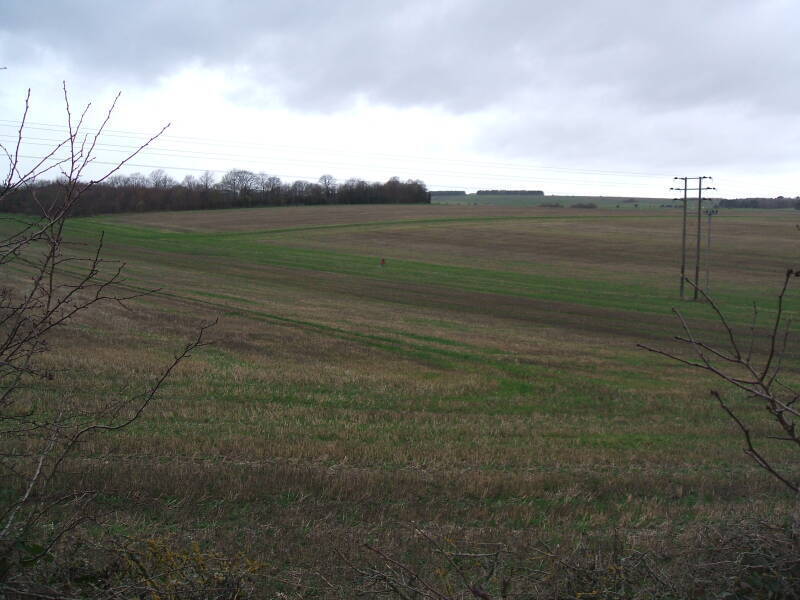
(700, 189)
(710, 212)
(683, 231)
(686, 189)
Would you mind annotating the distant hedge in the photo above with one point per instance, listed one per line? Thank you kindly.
(137, 193)
(510, 193)
(449, 193)
(779, 202)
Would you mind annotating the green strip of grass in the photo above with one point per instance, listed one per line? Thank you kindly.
(247, 248)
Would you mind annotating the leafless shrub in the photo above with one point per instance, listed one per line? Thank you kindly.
(758, 377)
(450, 570)
(455, 573)
(164, 567)
(725, 560)
(43, 287)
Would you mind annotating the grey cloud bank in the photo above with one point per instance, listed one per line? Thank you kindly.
(629, 83)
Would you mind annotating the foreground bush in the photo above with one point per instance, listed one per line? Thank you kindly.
(731, 561)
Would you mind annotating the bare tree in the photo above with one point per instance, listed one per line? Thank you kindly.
(137, 180)
(117, 181)
(38, 431)
(161, 179)
(238, 182)
(299, 191)
(207, 180)
(328, 183)
(190, 182)
(759, 378)
(268, 185)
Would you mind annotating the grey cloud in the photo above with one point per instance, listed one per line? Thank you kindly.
(560, 66)
(462, 55)
(568, 133)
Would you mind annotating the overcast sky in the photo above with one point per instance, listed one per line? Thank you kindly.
(573, 96)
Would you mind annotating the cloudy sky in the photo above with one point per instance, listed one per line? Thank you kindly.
(572, 96)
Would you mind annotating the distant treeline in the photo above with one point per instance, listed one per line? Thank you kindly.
(237, 188)
(449, 193)
(510, 192)
(779, 202)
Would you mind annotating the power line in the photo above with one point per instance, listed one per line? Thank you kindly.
(494, 164)
(435, 166)
(250, 160)
(327, 164)
(324, 164)
(489, 165)
(438, 167)
(307, 176)
(170, 152)
(468, 176)
(494, 170)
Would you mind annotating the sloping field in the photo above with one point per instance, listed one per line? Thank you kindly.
(531, 200)
(266, 218)
(484, 381)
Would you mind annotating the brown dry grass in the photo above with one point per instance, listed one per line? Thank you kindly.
(258, 219)
(336, 407)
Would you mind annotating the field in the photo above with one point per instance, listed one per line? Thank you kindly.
(485, 383)
(511, 200)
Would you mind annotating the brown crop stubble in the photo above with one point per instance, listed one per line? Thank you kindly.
(294, 435)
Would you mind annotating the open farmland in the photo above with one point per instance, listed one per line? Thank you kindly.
(530, 200)
(484, 382)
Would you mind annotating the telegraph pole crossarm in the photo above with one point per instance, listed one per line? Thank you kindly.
(686, 189)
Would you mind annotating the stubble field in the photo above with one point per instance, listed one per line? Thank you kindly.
(485, 382)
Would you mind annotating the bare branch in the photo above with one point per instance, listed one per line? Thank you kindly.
(60, 286)
(723, 321)
(751, 450)
(773, 339)
(759, 383)
(407, 570)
